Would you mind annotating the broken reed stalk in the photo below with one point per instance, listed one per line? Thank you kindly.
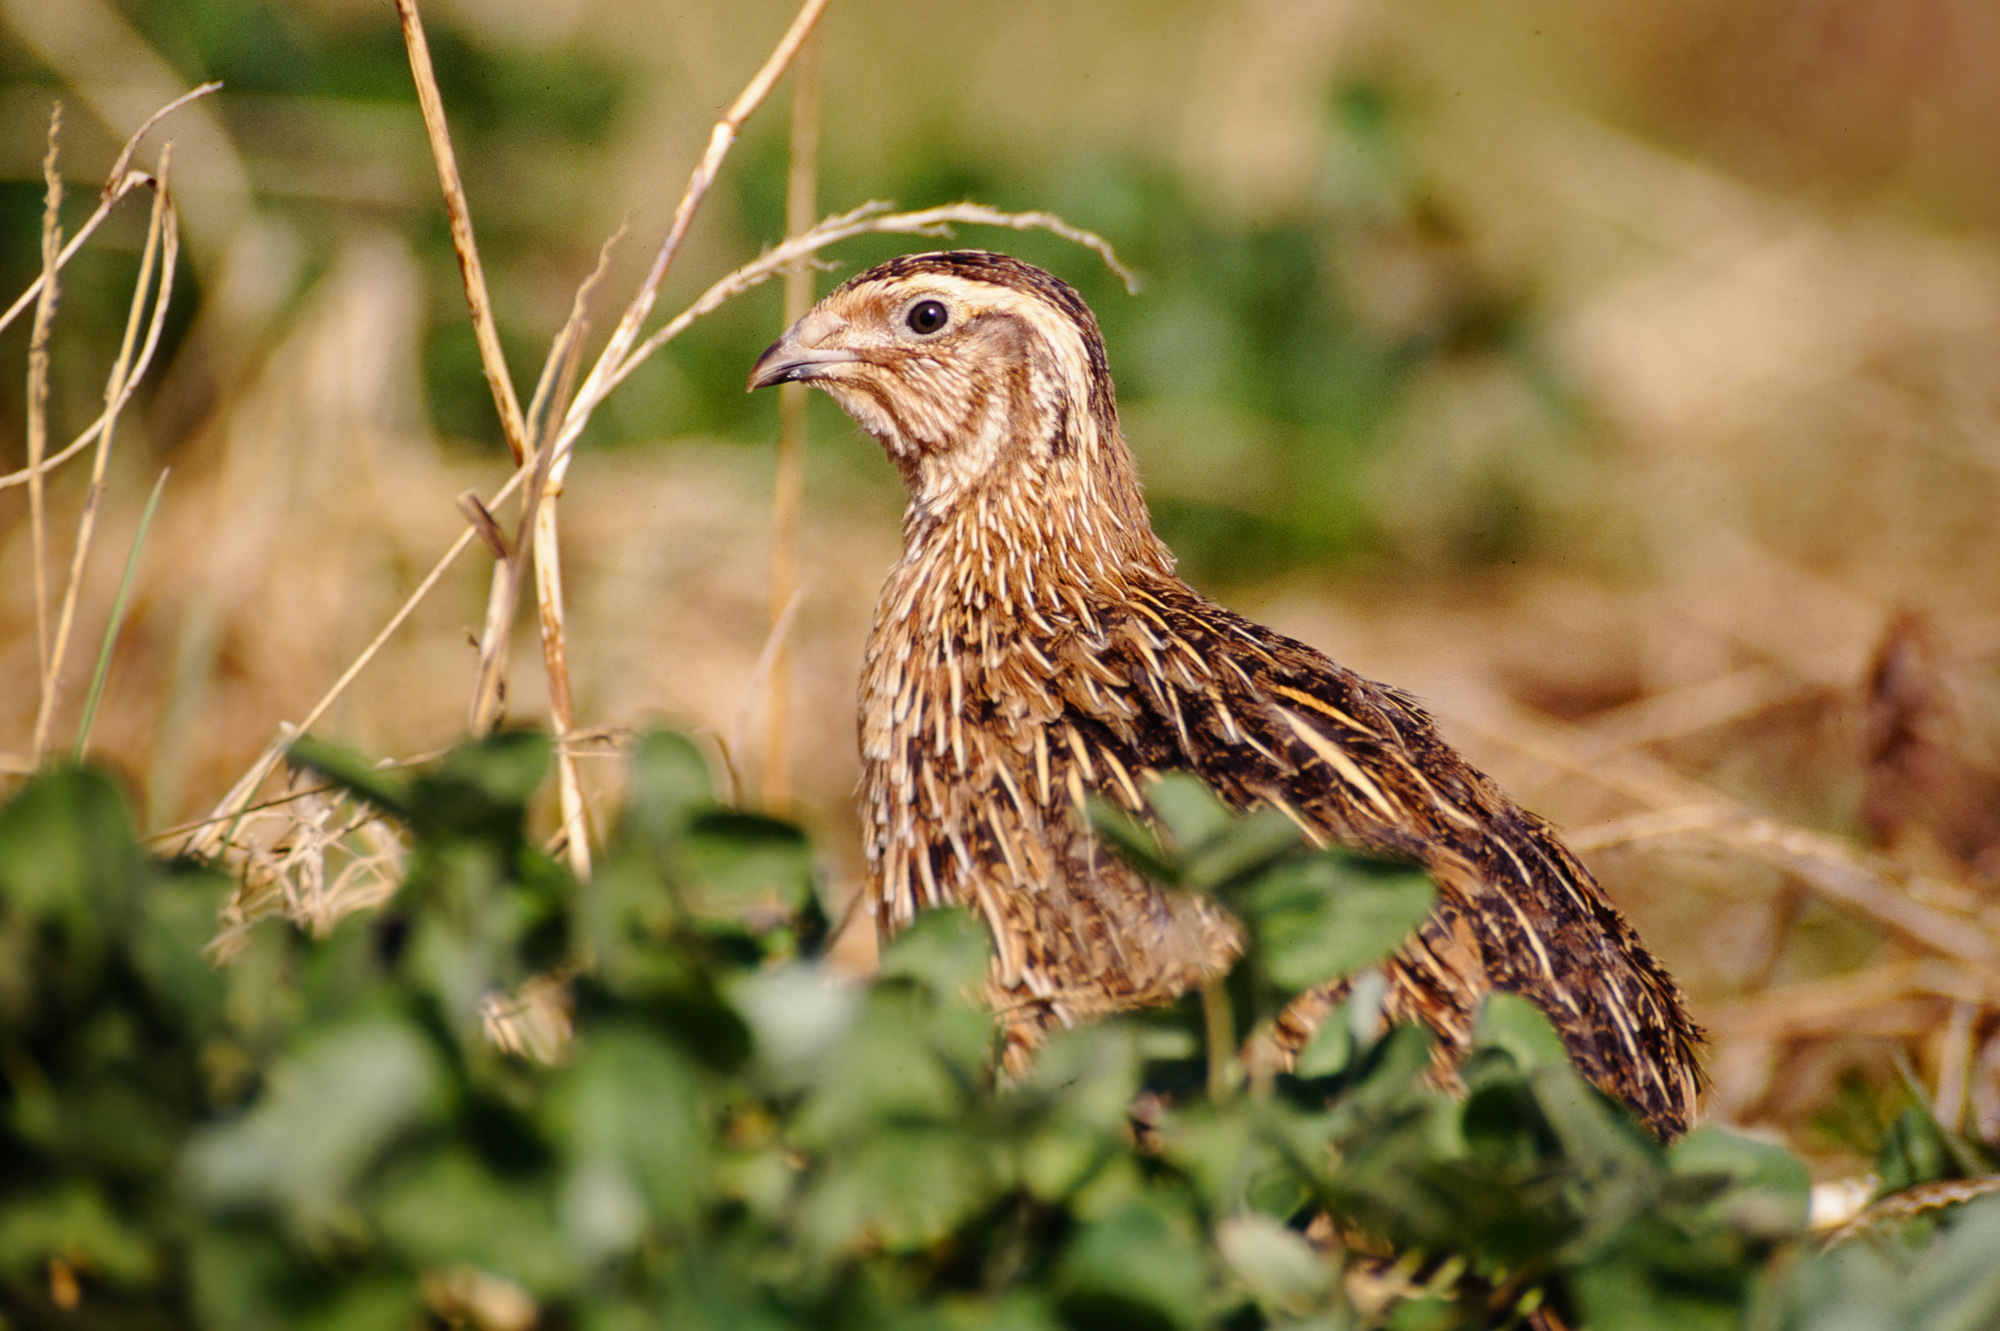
(38, 419)
(788, 481)
(162, 245)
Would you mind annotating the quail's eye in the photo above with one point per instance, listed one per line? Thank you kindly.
(926, 316)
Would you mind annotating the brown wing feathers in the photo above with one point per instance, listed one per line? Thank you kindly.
(1034, 647)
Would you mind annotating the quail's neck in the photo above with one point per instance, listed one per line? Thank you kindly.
(1043, 539)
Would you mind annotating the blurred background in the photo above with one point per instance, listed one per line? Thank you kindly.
(1621, 381)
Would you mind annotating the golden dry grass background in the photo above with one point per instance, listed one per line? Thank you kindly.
(1752, 243)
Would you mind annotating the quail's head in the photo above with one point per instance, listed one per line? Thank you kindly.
(961, 364)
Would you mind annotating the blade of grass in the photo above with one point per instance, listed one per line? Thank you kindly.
(102, 670)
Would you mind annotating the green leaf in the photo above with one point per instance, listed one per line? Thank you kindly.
(480, 791)
(176, 921)
(452, 1208)
(746, 867)
(890, 1068)
(1131, 841)
(904, 1187)
(1914, 1151)
(1135, 1268)
(1330, 1049)
(331, 1109)
(1275, 1262)
(347, 768)
(670, 784)
(1626, 1292)
(1189, 810)
(1957, 1286)
(799, 1013)
(1247, 846)
(1511, 1023)
(946, 951)
(1322, 918)
(1770, 1190)
(72, 1220)
(67, 850)
(626, 1117)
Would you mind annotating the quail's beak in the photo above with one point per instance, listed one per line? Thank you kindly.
(790, 360)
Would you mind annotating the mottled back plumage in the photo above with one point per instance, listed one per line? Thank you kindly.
(1033, 647)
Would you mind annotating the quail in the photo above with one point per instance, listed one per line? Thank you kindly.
(1033, 648)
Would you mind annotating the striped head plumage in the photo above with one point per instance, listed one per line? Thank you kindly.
(1033, 648)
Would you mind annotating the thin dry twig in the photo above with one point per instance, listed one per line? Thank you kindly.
(122, 163)
(720, 139)
(117, 185)
(1914, 1202)
(38, 410)
(550, 464)
(788, 468)
(477, 299)
(163, 244)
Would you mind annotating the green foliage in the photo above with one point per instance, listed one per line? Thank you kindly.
(740, 1136)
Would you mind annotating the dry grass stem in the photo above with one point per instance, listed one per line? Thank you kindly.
(549, 405)
(1871, 885)
(322, 858)
(537, 1022)
(38, 410)
(1721, 700)
(162, 243)
(114, 405)
(788, 470)
(721, 138)
(477, 298)
(554, 623)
